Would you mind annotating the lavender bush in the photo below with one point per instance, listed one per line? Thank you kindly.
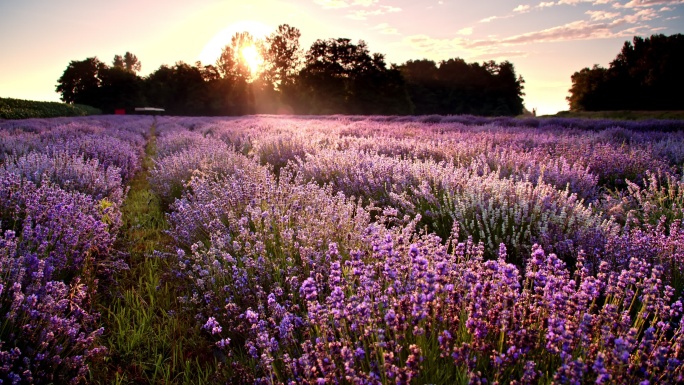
(61, 189)
(366, 250)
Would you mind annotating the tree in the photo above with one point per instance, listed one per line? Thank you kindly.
(120, 88)
(180, 89)
(282, 56)
(645, 75)
(80, 81)
(457, 87)
(232, 63)
(128, 62)
(342, 77)
(588, 89)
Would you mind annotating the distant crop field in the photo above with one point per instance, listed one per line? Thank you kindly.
(25, 109)
(339, 249)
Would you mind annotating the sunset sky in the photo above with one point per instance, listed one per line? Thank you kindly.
(547, 41)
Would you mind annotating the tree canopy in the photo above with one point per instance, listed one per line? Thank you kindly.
(646, 75)
(457, 87)
(334, 76)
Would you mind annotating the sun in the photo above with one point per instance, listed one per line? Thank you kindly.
(250, 54)
(212, 50)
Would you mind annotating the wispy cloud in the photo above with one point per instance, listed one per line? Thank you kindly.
(359, 9)
(650, 3)
(492, 18)
(521, 8)
(598, 25)
(386, 29)
(642, 15)
(500, 55)
(345, 3)
(602, 15)
(576, 30)
(465, 31)
(363, 14)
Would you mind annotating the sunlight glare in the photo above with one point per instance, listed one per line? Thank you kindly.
(212, 50)
(253, 58)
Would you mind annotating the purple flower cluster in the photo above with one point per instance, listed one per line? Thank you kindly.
(359, 249)
(60, 196)
(309, 249)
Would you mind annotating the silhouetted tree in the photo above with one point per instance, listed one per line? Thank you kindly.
(231, 63)
(129, 62)
(80, 81)
(237, 96)
(341, 77)
(180, 90)
(119, 88)
(336, 76)
(282, 56)
(646, 75)
(457, 87)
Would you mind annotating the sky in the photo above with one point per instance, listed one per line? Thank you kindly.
(547, 41)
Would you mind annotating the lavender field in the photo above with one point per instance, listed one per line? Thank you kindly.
(341, 250)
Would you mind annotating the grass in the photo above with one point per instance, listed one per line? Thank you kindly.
(148, 341)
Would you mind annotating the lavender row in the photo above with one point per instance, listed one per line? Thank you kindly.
(110, 142)
(387, 305)
(336, 281)
(61, 190)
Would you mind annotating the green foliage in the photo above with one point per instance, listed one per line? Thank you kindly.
(24, 109)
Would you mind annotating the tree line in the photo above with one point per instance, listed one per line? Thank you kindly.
(647, 74)
(334, 76)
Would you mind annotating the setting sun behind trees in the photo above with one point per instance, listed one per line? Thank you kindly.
(242, 58)
(252, 57)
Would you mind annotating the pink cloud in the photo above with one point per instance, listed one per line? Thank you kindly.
(649, 3)
(602, 15)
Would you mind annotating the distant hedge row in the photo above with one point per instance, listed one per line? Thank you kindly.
(24, 109)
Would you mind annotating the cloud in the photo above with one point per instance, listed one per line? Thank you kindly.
(602, 15)
(368, 7)
(650, 3)
(577, 30)
(365, 3)
(492, 18)
(344, 3)
(333, 3)
(643, 15)
(431, 45)
(386, 29)
(381, 10)
(500, 55)
(521, 8)
(598, 23)
(489, 19)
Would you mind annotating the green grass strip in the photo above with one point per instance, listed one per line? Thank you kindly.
(149, 341)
